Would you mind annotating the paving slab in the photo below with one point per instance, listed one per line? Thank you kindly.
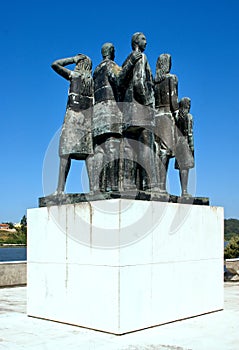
(214, 331)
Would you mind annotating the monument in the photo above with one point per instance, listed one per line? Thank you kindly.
(127, 255)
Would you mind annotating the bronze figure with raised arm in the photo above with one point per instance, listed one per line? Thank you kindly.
(76, 138)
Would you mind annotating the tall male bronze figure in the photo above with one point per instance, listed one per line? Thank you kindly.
(166, 105)
(107, 119)
(138, 100)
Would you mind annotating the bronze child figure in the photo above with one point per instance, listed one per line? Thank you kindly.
(184, 152)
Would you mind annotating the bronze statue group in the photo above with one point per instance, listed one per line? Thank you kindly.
(125, 124)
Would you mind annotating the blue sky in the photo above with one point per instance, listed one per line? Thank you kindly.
(202, 38)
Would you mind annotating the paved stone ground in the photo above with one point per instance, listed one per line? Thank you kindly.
(215, 331)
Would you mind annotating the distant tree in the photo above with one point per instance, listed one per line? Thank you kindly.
(23, 221)
(22, 230)
(10, 224)
(17, 236)
(232, 249)
(231, 228)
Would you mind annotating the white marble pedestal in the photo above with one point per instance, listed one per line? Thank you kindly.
(123, 265)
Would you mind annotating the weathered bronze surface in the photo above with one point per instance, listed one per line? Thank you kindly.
(184, 150)
(138, 114)
(126, 126)
(76, 138)
(73, 198)
(166, 105)
(107, 120)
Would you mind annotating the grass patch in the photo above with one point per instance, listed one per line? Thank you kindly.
(9, 237)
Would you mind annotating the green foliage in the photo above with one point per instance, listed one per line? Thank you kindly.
(11, 226)
(231, 228)
(24, 221)
(17, 237)
(232, 249)
(22, 234)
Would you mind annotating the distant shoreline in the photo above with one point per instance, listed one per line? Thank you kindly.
(7, 245)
